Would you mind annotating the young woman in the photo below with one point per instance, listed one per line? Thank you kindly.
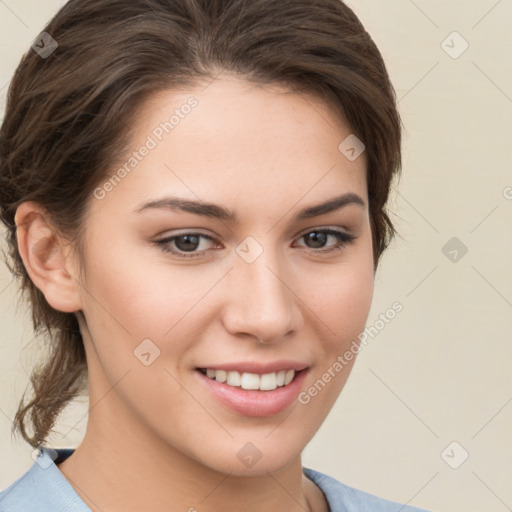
(195, 194)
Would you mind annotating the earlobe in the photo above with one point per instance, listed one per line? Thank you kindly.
(48, 263)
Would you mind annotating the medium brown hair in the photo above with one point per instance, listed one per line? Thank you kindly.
(67, 120)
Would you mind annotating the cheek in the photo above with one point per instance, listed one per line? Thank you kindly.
(342, 311)
(342, 304)
(343, 297)
(129, 300)
(131, 310)
(130, 293)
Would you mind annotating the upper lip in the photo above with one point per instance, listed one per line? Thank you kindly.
(259, 368)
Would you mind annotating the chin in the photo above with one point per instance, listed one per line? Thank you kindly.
(249, 460)
(261, 468)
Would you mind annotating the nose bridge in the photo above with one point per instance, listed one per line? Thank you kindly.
(260, 302)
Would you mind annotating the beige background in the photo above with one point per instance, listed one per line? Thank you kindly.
(440, 371)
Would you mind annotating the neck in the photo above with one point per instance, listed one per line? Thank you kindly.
(122, 469)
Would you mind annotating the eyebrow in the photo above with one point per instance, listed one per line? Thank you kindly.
(219, 212)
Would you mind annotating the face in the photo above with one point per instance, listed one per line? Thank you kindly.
(206, 260)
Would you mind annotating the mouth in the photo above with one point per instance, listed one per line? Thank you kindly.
(251, 381)
(257, 393)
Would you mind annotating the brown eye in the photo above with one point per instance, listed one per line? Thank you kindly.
(187, 242)
(318, 238)
(180, 245)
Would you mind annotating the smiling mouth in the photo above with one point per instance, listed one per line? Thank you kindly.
(251, 381)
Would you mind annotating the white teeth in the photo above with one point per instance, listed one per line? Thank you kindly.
(245, 380)
(288, 377)
(250, 381)
(220, 375)
(269, 381)
(233, 379)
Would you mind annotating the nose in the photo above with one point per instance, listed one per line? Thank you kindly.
(261, 303)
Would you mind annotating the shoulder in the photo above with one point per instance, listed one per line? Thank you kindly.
(42, 488)
(343, 498)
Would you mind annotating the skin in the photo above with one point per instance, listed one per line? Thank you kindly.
(156, 438)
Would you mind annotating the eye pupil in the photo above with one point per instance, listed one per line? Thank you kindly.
(318, 239)
(191, 242)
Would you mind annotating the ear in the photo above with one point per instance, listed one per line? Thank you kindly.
(47, 258)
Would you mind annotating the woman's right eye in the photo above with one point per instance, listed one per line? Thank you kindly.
(185, 245)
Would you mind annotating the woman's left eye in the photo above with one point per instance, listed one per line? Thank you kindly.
(319, 237)
(187, 245)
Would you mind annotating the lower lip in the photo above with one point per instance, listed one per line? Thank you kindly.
(254, 402)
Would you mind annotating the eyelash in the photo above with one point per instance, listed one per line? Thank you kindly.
(343, 239)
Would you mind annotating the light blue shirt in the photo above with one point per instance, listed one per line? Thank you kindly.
(43, 488)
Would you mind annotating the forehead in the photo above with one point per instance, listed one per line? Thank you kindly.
(230, 138)
(257, 109)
